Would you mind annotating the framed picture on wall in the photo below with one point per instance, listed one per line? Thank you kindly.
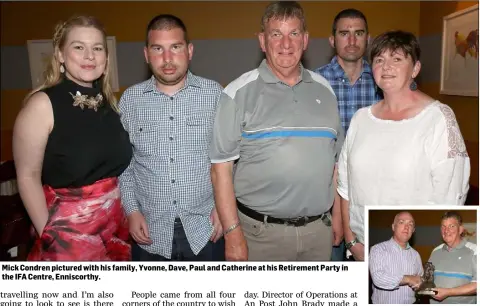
(459, 70)
(470, 232)
(39, 52)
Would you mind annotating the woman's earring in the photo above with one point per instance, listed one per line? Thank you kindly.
(62, 69)
(413, 85)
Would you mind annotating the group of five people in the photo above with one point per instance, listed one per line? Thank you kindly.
(279, 165)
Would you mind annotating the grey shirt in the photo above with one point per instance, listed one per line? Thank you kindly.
(454, 268)
(286, 139)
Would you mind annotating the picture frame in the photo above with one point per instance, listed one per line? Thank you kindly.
(459, 62)
(471, 230)
(39, 52)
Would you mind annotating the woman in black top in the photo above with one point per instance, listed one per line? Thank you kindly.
(69, 148)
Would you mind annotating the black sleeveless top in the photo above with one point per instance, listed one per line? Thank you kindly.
(85, 145)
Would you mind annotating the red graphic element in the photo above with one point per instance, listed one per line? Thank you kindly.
(85, 224)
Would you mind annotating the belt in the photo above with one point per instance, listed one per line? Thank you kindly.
(298, 221)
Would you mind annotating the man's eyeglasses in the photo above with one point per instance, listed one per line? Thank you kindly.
(450, 227)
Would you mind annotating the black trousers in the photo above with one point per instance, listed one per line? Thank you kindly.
(181, 250)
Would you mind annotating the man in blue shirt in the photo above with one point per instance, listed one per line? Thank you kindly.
(351, 78)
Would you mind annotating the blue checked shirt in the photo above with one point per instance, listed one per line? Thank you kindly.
(350, 97)
(169, 175)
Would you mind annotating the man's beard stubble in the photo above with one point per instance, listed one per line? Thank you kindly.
(161, 79)
(353, 57)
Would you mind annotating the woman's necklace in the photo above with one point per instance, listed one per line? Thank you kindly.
(85, 100)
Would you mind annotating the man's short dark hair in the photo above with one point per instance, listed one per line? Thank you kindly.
(281, 10)
(166, 22)
(348, 13)
(454, 215)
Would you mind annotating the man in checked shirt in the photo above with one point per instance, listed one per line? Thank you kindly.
(166, 190)
(352, 81)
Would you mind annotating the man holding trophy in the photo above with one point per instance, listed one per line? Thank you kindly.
(395, 267)
(455, 264)
(428, 285)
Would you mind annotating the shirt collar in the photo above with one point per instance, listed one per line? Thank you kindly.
(192, 80)
(392, 241)
(269, 77)
(338, 71)
(462, 244)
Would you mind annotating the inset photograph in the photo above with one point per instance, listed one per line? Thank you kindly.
(422, 256)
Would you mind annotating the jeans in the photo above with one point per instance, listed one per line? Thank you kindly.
(181, 250)
(338, 252)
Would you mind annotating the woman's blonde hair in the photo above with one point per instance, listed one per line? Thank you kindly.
(52, 74)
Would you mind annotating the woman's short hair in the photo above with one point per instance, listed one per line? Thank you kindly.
(397, 40)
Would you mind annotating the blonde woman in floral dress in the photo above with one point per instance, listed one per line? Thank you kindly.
(69, 148)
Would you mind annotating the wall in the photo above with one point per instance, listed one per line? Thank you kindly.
(223, 34)
(465, 108)
(427, 227)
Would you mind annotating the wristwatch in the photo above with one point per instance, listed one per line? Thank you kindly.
(350, 244)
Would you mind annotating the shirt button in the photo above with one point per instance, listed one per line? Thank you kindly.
(174, 201)
(171, 98)
(171, 138)
(140, 129)
(171, 160)
(171, 117)
(173, 181)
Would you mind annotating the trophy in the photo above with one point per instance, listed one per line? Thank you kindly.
(427, 284)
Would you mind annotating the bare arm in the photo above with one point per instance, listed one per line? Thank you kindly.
(345, 210)
(30, 135)
(337, 224)
(466, 289)
(224, 150)
(358, 250)
(226, 204)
